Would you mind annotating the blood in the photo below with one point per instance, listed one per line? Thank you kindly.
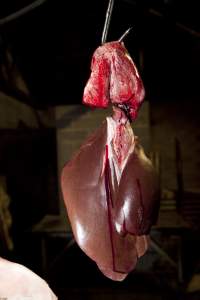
(109, 204)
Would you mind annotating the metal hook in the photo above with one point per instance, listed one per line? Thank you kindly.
(125, 34)
(107, 21)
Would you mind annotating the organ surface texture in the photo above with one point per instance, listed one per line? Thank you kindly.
(109, 186)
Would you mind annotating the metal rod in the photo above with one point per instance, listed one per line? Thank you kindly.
(179, 174)
(125, 34)
(21, 12)
(107, 21)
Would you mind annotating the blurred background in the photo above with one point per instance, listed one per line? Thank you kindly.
(45, 52)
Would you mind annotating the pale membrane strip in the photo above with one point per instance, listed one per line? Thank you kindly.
(111, 129)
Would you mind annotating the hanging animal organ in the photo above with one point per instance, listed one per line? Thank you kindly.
(109, 186)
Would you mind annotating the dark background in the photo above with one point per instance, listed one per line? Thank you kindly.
(53, 45)
(51, 48)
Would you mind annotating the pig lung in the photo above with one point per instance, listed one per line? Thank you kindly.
(110, 221)
(114, 78)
